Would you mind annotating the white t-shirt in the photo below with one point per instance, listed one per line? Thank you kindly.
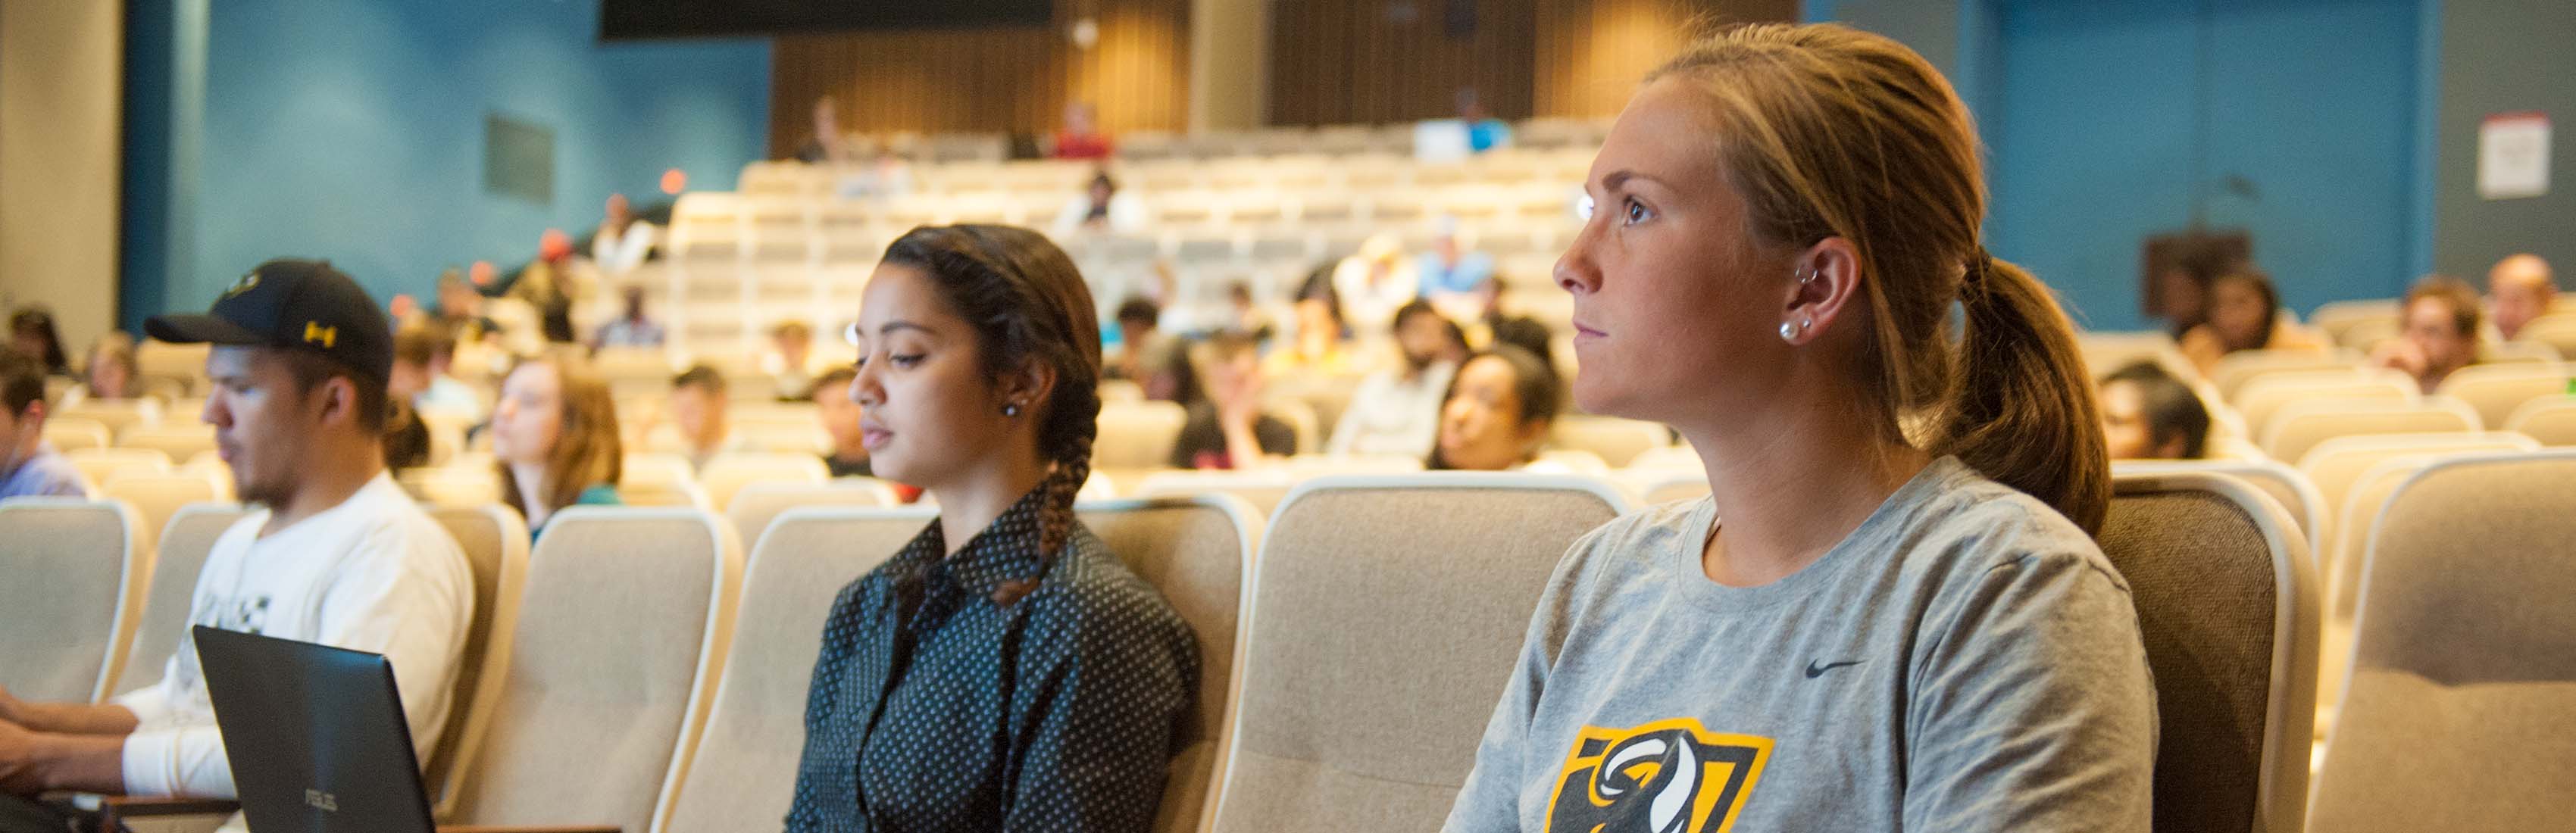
(1392, 416)
(371, 574)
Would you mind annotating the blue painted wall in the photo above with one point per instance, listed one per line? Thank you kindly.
(2106, 122)
(354, 131)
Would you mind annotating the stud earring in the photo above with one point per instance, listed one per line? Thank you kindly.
(1789, 331)
(1011, 410)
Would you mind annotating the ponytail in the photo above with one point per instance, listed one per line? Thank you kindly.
(2022, 410)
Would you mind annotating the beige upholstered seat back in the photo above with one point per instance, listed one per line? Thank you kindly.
(181, 553)
(2238, 368)
(2264, 395)
(2334, 465)
(758, 504)
(1617, 441)
(744, 776)
(179, 440)
(2551, 421)
(2462, 694)
(2300, 426)
(2228, 607)
(69, 565)
(1198, 552)
(729, 472)
(1387, 611)
(1137, 435)
(1263, 489)
(2297, 495)
(2495, 390)
(622, 624)
(157, 498)
(495, 543)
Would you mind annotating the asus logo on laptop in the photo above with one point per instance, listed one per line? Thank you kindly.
(322, 801)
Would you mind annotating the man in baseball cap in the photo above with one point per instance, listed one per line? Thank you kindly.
(338, 555)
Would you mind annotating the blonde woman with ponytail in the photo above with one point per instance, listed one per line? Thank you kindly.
(1004, 670)
(1888, 614)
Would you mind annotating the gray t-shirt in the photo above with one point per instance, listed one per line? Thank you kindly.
(1966, 660)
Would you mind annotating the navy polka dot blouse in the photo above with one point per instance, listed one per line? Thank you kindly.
(933, 709)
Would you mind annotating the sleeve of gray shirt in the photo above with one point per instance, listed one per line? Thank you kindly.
(2030, 706)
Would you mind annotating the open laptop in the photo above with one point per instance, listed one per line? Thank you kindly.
(315, 733)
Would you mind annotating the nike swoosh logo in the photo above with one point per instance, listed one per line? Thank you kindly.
(1814, 670)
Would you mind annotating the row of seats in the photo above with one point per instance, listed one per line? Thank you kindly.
(1225, 145)
(638, 671)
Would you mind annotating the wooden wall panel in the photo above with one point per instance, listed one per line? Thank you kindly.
(1364, 61)
(989, 80)
(1592, 53)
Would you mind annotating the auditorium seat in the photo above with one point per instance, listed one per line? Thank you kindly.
(2454, 721)
(1575, 460)
(100, 465)
(623, 623)
(69, 433)
(2298, 495)
(2228, 604)
(157, 497)
(1616, 440)
(184, 544)
(2236, 369)
(2495, 390)
(756, 505)
(2300, 426)
(119, 415)
(1264, 489)
(2519, 352)
(1387, 612)
(744, 774)
(2338, 318)
(2335, 464)
(495, 544)
(75, 577)
(1137, 435)
(1199, 554)
(179, 441)
(732, 470)
(2551, 421)
(2263, 395)
(2557, 330)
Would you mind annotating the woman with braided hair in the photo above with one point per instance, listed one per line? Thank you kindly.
(1010, 675)
(1887, 614)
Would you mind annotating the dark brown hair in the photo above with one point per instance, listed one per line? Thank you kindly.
(1828, 131)
(2261, 282)
(1028, 305)
(1542, 392)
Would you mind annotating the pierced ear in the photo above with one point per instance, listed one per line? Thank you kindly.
(1823, 283)
(1033, 384)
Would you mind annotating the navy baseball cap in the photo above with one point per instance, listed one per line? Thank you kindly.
(292, 304)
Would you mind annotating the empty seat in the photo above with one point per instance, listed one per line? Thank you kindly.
(2337, 319)
(2453, 721)
(1387, 612)
(156, 498)
(69, 434)
(180, 442)
(2551, 421)
(756, 505)
(2558, 331)
(2496, 390)
(2240, 367)
(1617, 441)
(100, 465)
(2228, 606)
(119, 415)
(2300, 426)
(495, 544)
(730, 471)
(2336, 464)
(622, 624)
(72, 565)
(2263, 396)
(1137, 435)
(1263, 489)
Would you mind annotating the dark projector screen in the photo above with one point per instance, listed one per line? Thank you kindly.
(620, 19)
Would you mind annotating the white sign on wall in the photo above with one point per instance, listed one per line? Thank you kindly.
(2513, 156)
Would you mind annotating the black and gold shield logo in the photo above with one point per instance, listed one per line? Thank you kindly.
(1670, 776)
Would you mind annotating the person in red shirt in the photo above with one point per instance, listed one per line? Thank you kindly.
(1081, 137)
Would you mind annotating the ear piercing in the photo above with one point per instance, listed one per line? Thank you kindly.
(1011, 410)
(1791, 330)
